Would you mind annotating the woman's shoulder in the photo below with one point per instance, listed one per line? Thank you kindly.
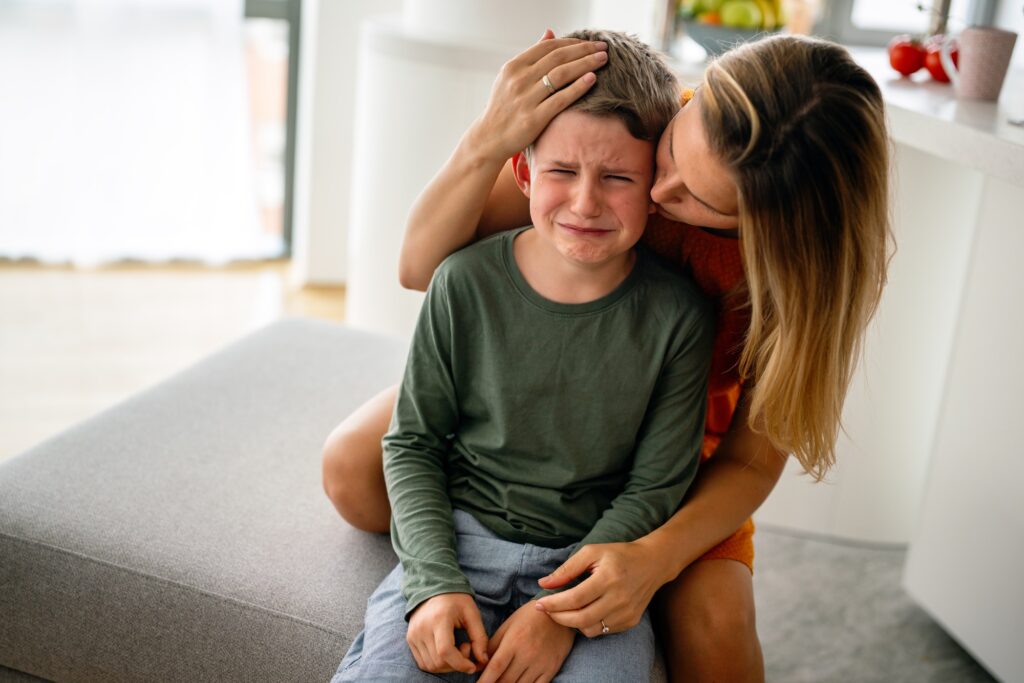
(712, 258)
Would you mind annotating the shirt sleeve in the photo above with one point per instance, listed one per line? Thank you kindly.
(415, 452)
(668, 444)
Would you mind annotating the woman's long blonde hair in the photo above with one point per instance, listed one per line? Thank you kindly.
(802, 129)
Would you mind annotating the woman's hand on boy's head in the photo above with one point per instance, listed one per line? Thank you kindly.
(521, 105)
(431, 634)
(529, 646)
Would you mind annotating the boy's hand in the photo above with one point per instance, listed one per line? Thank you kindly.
(431, 635)
(529, 646)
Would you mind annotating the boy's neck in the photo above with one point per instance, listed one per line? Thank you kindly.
(559, 280)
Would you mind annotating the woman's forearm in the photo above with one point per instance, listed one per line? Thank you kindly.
(728, 489)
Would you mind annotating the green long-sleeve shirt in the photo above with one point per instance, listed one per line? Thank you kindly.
(550, 423)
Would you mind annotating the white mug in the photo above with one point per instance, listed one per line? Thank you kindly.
(984, 57)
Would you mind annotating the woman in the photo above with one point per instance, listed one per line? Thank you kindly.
(784, 145)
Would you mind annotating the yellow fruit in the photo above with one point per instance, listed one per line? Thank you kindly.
(745, 14)
(768, 17)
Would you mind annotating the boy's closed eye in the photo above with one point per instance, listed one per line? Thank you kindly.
(569, 172)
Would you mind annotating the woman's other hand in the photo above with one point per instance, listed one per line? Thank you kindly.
(521, 105)
(623, 580)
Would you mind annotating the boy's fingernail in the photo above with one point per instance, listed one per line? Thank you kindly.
(601, 45)
(539, 607)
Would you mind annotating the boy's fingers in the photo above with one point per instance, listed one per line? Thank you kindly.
(474, 626)
(450, 655)
(495, 670)
(416, 656)
(425, 658)
(495, 641)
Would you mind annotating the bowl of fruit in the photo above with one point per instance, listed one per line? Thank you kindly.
(719, 25)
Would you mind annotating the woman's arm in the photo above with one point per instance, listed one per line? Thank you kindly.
(729, 488)
(470, 197)
(464, 194)
(625, 576)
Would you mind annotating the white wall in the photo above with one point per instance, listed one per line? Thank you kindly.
(1010, 15)
(323, 155)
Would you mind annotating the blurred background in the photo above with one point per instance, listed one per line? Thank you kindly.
(176, 172)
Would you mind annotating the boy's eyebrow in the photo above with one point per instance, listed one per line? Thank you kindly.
(606, 169)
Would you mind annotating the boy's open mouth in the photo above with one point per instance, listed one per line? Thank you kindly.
(582, 230)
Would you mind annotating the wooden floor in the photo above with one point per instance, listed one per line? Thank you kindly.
(73, 341)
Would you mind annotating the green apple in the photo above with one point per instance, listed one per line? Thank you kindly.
(695, 8)
(741, 14)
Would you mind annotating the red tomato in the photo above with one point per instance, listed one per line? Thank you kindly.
(933, 62)
(906, 54)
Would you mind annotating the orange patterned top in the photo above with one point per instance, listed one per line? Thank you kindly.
(716, 266)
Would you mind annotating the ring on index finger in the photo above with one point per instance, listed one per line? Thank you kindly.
(604, 628)
(548, 84)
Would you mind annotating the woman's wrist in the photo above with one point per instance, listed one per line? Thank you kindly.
(662, 550)
(480, 148)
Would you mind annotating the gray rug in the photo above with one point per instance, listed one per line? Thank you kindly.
(829, 611)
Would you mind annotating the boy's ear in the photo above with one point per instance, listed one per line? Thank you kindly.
(521, 171)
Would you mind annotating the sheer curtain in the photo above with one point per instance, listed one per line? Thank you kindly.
(125, 134)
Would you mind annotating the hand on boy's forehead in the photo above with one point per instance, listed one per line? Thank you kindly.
(590, 142)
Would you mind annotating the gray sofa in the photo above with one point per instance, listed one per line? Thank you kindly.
(183, 535)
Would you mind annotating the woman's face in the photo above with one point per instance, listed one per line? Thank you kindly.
(691, 185)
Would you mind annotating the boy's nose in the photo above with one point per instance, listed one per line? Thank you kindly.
(586, 203)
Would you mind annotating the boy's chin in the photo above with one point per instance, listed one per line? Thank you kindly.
(593, 256)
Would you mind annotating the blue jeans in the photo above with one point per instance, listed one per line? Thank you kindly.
(504, 577)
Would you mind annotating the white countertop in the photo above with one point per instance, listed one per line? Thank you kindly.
(926, 115)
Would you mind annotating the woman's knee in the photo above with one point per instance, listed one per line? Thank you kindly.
(353, 478)
(707, 619)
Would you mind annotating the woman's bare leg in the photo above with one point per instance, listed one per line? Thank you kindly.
(353, 465)
(706, 620)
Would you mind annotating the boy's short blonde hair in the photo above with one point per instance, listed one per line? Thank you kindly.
(635, 86)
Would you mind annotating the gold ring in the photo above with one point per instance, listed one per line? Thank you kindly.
(548, 84)
(604, 628)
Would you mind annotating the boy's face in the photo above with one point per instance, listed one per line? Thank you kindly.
(589, 187)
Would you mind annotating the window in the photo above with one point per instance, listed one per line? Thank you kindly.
(874, 22)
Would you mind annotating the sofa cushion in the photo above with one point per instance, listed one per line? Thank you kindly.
(184, 534)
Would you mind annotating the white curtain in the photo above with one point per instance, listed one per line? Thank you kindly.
(124, 132)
